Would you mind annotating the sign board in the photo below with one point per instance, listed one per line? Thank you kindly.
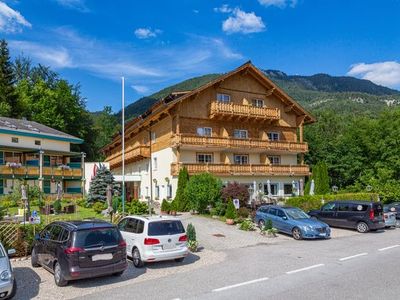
(236, 203)
(34, 220)
(34, 213)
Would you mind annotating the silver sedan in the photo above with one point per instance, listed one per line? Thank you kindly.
(8, 285)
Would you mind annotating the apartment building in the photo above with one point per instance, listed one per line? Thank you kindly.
(240, 127)
(39, 155)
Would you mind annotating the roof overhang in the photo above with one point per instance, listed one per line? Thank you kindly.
(71, 139)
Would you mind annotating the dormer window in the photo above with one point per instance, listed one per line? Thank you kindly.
(258, 102)
(273, 136)
(204, 131)
(240, 134)
(224, 98)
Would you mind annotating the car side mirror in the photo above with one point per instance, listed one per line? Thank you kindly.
(37, 237)
(11, 252)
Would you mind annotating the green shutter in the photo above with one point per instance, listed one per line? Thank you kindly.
(1, 157)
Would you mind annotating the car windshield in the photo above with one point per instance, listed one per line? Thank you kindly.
(295, 213)
(165, 228)
(387, 208)
(97, 237)
(2, 254)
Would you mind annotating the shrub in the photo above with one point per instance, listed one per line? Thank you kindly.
(220, 208)
(57, 206)
(230, 211)
(268, 225)
(243, 212)
(81, 202)
(173, 206)
(191, 232)
(236, 191)
(165, 206)
(98, 207)
(180, 197)
(246, 225)
(137, 207)
(116, 203)
(203, 190)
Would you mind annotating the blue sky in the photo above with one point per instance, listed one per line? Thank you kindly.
(158, 43)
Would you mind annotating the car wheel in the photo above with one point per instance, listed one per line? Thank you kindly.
(261, 224)
(296, 232)
(59, 276)
(137, 261)
(14, 290)
(178, 260)
(362, 227)
(34, 259)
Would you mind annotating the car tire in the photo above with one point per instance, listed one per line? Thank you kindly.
(34, 259)
(14, 290)
(136, 258)
(261, 224)
(296, 233)
(59, 276)
(178, 260)
(362, 227)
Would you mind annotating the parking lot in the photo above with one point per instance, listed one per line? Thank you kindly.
(219, 245)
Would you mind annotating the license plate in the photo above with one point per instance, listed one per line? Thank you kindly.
(168, 246)
(322, 234)
(106, 256)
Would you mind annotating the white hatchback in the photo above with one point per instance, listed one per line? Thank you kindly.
(155, 238)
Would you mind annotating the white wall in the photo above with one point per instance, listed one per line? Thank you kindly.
(29, 142)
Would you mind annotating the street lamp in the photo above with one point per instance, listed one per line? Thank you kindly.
(251, 190)
(369, 189)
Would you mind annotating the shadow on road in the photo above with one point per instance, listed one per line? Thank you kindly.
(28, 282)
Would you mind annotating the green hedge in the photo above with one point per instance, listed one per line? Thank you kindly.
(308, 202)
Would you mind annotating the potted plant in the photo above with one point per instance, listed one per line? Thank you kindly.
(192, 241)
(173, 207)
(230, 213)
(268, 229)
(165, 207)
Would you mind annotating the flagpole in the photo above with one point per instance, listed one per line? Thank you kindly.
(123, 145)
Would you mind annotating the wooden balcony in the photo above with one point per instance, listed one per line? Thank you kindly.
(220, 110)
(226, 143)
(33, 171)
(243, 170)
(132, 154)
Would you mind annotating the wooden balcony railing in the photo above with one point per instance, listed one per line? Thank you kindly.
(226, 143)
(220, 109)
(132, 154)
(33, 171)
(245, 170)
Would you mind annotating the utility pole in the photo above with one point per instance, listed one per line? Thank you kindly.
(123, 145)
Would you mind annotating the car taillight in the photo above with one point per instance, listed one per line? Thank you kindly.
(183, 238)
(72, 250)
(151, 241)
(371, 214)
(122, 244)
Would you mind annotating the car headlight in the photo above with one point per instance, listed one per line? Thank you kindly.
(308, 228)
(5, 276)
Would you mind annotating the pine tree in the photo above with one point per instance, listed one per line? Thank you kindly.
(182, 202)
(9, 105)
(98, 185)
(321, 179)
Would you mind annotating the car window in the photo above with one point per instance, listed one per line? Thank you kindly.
(280, 213)
(122, 224)
(344, 207)
(55, 232)
(329, 207)
(272, 211)
(131, 225)
(45, 234)
(263, 209)
(140, 227)
(2, 254)
(97, 237)
(360, 207)
(296, 214)
(64, 236)
(166, 227)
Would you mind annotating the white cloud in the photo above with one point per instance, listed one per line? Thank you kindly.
(78, 5)
(384, 73)
(243, 22)
(223, 9)
(11, 21)
(146, 33)
(140, 89)
(278, 3)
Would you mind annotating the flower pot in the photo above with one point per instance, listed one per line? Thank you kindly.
(230, 221)
(164, 213)
(173, 213)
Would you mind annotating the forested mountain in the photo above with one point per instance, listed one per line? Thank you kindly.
(342, 94)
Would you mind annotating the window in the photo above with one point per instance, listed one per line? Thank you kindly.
(274, 160)
(223, 98)
(14, 140)
(55, 232)
(204, 158)
(153, 137)
(38, 143)
(154, 163)
(169, 191)
(241, 159)
(168, 227)
(204, 131)
(122, 224)
(64, 236)
(258, 102)
(287, 189)
(344, 207)
(273, 136)
(280, 213)
(240, 134)
(272, 211)
(140, 226)
(274, 189)
(131, 225)
(329, 207)
(157, 191)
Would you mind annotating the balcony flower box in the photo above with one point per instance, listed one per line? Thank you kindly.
(14, 165)
(63, 167)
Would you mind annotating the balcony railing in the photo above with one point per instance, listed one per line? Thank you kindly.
(33, 171)
(220, 109)
(132, 154)
(245, 170)
(226, 143)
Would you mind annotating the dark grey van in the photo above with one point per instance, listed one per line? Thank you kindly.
(361, 215)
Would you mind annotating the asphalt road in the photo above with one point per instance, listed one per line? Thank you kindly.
(353, 267)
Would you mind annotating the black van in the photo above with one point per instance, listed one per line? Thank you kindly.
(361, 215)
(79, 249)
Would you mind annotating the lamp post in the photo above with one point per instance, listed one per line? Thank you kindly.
(251, 190)
(123, 145)
(369, 189)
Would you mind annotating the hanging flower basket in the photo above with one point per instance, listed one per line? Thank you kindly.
(14, 165)
(63, 167)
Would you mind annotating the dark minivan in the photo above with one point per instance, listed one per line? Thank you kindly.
(361, 215)
(79, 249)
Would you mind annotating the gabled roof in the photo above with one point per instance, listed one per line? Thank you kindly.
(174, 98)
(23, 127)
